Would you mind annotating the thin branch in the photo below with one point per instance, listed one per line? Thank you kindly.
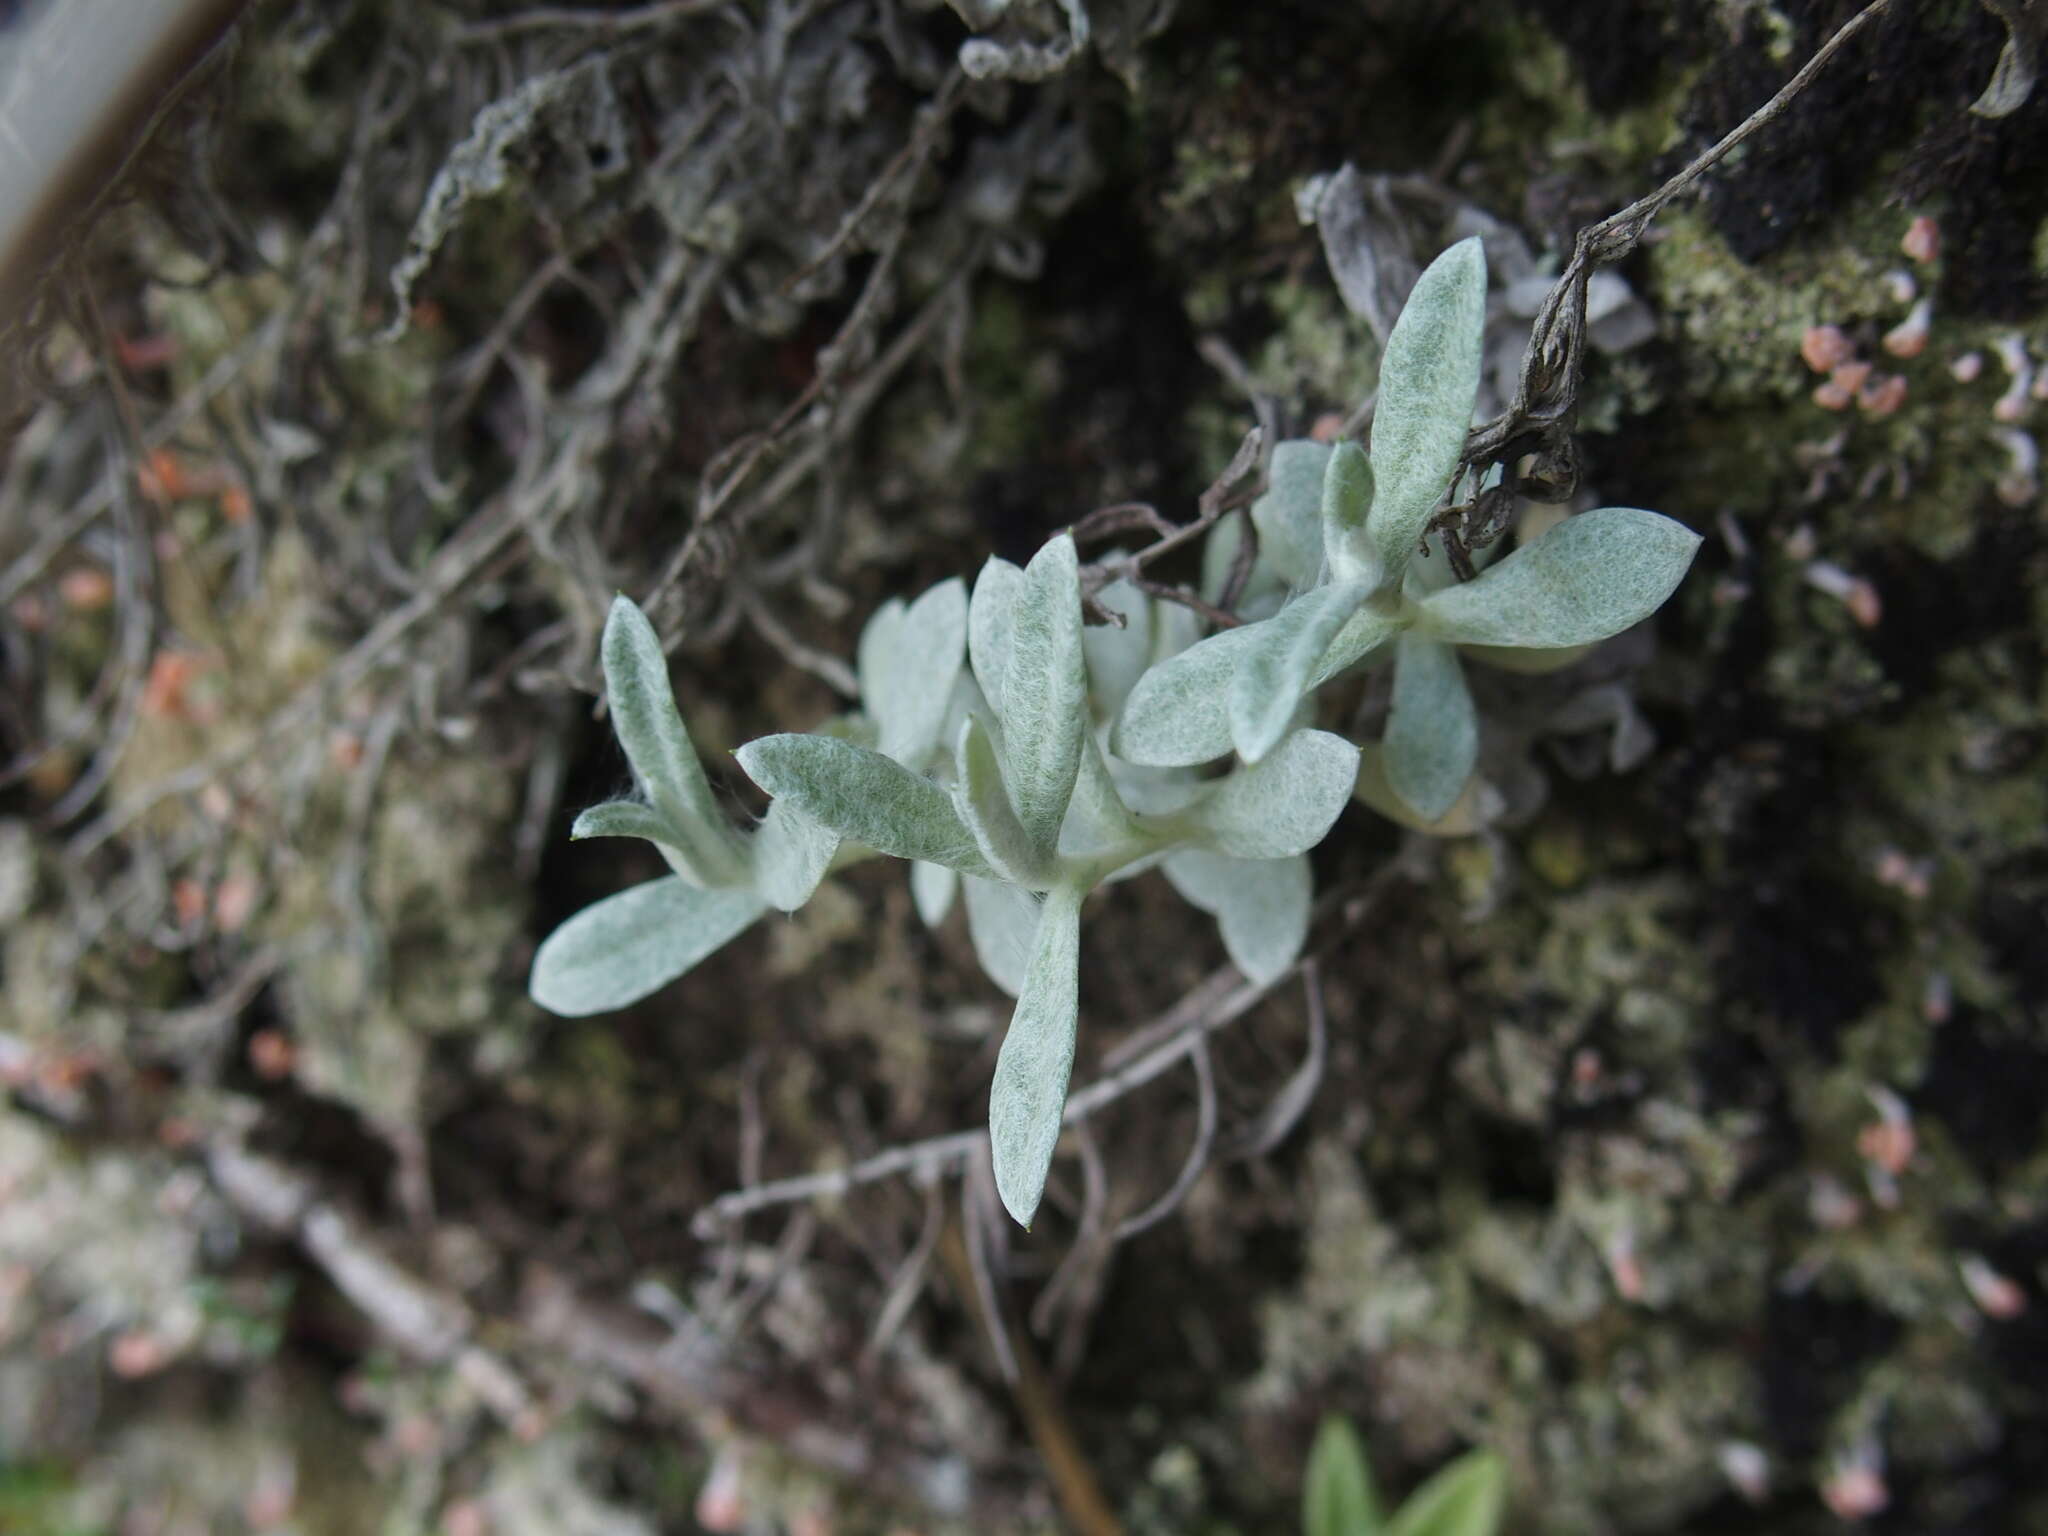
(908, 1282)
(1198, 1155)
(980, 1233)
(545, 18)
(939, 1153)
(1545, 409)
(1298, 1092)
(829, 669)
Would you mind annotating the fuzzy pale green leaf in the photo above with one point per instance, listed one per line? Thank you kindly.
(634, 943)
(790, 853)
(1097, 818)
(864, 797)
(1289, 515)
(1117, 657)
(983, 805)
(1432, 739)
(928, 645)
(1261, 906)
(1368, 629)
(932, 888)
(1179, 713)
(630, 818)
(1274, 668)
(1028, 1097)
(990, 615)
(1589, 577)
(1044, 708)
(657, 745)
(1338, 1498)
(1429, 379)
(1347, 502)
(1467, 1498)
(1002, 920)
(1282, 805)
(624, 818)
(874, 657)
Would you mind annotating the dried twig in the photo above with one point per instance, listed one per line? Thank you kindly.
(1198, 1155)
(1279, 1117)
(562, 18)
(1544, 414)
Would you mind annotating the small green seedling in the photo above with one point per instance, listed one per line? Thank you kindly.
(1466, 1498)
(1020, 760)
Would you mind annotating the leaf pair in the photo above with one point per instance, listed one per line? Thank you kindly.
(1001, 818)
(1467, 1498)
(1585, 580)
(624, 947)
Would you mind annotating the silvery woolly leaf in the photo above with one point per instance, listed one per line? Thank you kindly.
(1028, 1096)
(634, 943)
(983, 805)
(1289, 514)
(1338, 1498)
(1045, 694)
(1347, 502)
(629, 818)
(990, 614)
(1002, 920)
(865, 797)
(657, 745)
(874, 657)
(1179, 713)
(1590, 577)
(932, 888)
(1117, 658)
(1429, 379)
(789, 853)
(1368, 629)
(1273, 670)
(1261, 906)
(1467, 1498)
(1097, 819)
(1432, 739)
(624, 818)
(1282, 805)
(1479, 805)
(928, 646)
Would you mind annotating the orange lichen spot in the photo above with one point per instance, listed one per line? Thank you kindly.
(235, 505)
(1855, 1492)
(1889, 1144)
(188, 900)
(1922, 239)
(1998, 1297)
(272, 1055)
(1326, 427)
(86, 589)
(166, 693)
(1824, 348)
(163, 477)
(1909, 337)
(234, 900)
(1883, 394)
(136, 1353)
